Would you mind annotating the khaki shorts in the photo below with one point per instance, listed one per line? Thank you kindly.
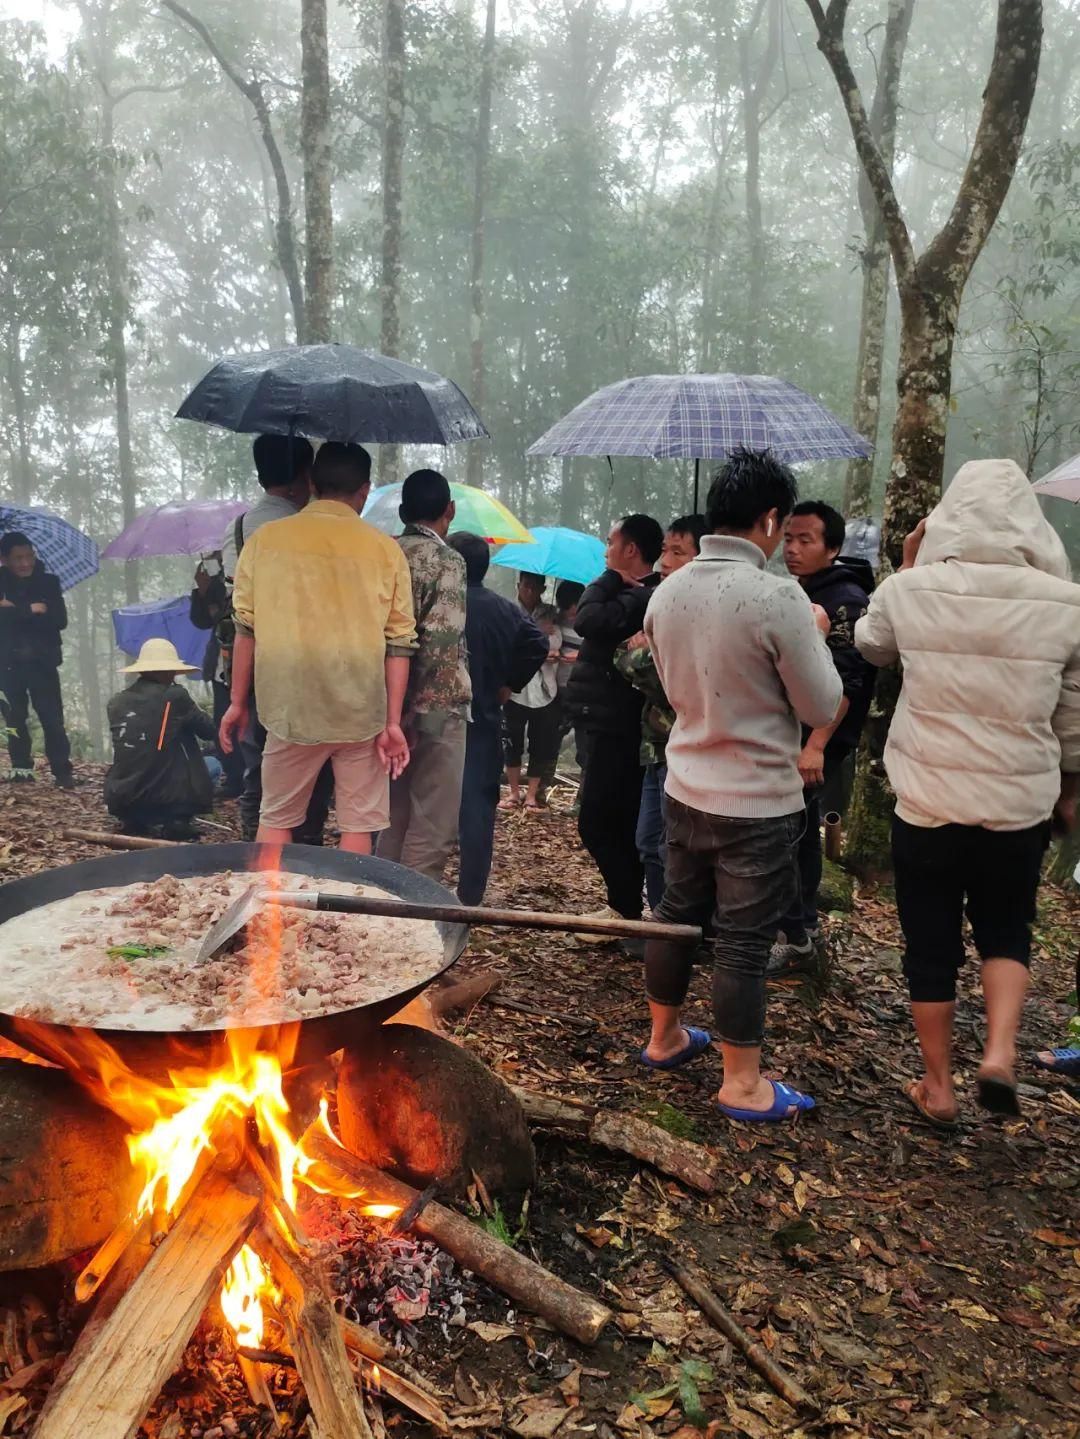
(289, 771)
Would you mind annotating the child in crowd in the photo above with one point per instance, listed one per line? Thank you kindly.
(535, 712)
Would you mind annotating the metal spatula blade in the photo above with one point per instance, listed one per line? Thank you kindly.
(240, 912)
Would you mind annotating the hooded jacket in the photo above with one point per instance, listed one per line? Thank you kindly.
(987, 624)
(843, 591)
(25, 636)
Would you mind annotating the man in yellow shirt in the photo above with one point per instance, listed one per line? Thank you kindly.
(324, 621)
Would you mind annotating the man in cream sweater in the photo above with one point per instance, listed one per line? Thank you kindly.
(742, 657)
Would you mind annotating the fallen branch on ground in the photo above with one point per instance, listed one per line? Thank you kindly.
(626, 1133)
(755, 1353)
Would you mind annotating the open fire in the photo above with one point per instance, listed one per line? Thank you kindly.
(203, 1139)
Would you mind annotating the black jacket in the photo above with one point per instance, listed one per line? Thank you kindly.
(174, 777)
(843, 591)
(609, 612)
(24, 635)
(505, 650)
(204, 612)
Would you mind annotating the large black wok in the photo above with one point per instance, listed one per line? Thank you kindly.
(146, 1049)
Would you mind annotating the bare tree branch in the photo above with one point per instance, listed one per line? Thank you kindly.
(1006, 105)
(830, 27)
(252, 91)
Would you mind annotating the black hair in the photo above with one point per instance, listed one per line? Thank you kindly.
(12, 541)
(567, 594)
(340, 469)
(541, 580)
(692, 525)
(281, 459)
(645, 532)
(745, 487)
(832, 522)
(475, 551)
(425, 495)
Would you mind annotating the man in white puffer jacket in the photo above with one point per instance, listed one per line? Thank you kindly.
(984, 749)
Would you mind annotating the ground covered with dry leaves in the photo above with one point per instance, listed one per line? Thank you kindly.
(915, 1283)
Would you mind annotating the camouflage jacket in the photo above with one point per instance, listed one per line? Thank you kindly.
(657, 718)
(439, 677)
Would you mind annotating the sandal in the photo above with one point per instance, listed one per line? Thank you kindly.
(997, 1093)
(510, 802)
(697, 1042)
(1061, 1061)
(787, 1103)
(932, 1116)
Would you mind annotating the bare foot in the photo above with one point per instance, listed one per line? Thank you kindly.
(512, 801)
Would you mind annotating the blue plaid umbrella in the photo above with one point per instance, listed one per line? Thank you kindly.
(702, 417)
(66, 551)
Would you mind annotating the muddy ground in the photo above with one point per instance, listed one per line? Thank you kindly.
(914, 1283)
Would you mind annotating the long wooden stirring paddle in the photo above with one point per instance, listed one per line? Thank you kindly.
(247, 906)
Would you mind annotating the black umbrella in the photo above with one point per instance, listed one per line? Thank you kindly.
(333, 392)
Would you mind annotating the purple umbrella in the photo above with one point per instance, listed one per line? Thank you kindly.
(193, 528)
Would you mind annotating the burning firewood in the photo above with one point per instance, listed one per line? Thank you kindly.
(106, 1386)
(315, 1339)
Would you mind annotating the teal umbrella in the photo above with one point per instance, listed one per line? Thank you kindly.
(565, 554)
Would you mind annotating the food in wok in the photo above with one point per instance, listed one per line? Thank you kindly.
(125, 957)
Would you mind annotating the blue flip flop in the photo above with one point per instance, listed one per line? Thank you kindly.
(698, 1041)
(784, 1099)
(1062, 1061)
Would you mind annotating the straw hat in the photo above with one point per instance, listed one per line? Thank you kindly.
(159, 657)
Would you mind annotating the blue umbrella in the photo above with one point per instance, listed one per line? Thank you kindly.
(169, 619)
(67, 552)
(566, 554)
(702, 417)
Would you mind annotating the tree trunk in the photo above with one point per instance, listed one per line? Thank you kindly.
(876, 263)
(474, 473)
(315, 144)
(284, 227)
(753, 93)
(931, 287)
(393, 154)
(923, 382)
(24, 471)
(116, 346)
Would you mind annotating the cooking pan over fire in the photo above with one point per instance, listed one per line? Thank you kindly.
(388, 968)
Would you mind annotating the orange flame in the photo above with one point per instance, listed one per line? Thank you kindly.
(247, 1284)
(204, 1107)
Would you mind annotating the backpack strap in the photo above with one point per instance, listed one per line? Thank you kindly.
(238, 533)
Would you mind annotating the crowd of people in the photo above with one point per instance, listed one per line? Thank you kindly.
(715, 704)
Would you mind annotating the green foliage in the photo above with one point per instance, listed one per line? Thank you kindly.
(499, 1227)
(666, 1116)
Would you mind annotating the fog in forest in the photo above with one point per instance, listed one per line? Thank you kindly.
(658, 186)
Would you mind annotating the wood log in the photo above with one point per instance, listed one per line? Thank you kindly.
(627, 1134)
(66, 1180)
(757, 1355)
(311, 1327)
(108, 1384)
(110, 840)
(526, 1282)
(452, 998)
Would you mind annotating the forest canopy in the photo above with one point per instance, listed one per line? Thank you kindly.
(659, 185)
